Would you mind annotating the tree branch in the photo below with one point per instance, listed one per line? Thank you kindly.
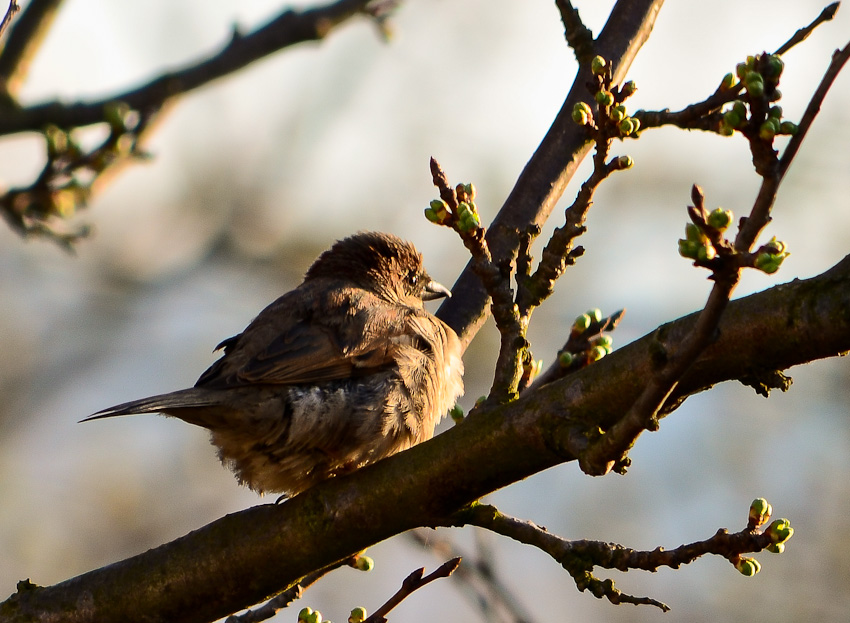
(240, 559)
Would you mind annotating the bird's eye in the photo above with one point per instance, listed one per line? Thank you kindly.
(412, 279)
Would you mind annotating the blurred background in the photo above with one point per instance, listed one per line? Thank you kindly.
(255, 174)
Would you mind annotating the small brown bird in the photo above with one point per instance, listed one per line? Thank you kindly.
(342, 371)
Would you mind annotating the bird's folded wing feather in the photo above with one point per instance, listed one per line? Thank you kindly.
(324, 348)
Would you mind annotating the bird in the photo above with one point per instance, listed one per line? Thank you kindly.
(344, 370)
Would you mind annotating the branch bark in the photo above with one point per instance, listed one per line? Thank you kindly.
(243, 558)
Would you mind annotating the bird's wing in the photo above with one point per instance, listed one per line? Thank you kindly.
(343, 341)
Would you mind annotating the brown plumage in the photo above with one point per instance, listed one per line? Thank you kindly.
(342, 371)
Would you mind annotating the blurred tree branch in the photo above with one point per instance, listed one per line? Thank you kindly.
(242, 558)
(41, 208)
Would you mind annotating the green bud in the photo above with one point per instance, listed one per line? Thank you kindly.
(456, 413)
(760, 511)
(693, 233)
(773, 67)
(598, 65)
(741, 70)
(364, 563)
(432, 216)
(775, 246)
(480, 401)
(775, 95)
(604, 98)
(776, 548)
(732, 119)
(470, 190)
(727, 82)
(440, 208)
(581, 323)
(605, 341)
(754, 83)
(580, 116)
(304, 613)
(748, 566)
(740, 108)
(595, 314)
(706, 252)
(596, 353)
(788, 127)
(725, 130)
(628, 126)
(720, 219)
(314, 617)
(769, 262)
(628, 89)
(618, 113)
(688, 249)
(625, 162)
(780, 530)
(767, 131)
(358, 615)
(775, 112)
(565, 359)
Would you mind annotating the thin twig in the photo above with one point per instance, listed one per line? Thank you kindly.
(412, 583)
(14, 7)
(282, 600)
(801, 35)
(23, 42)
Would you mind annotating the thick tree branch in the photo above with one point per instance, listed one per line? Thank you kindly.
(242, 558)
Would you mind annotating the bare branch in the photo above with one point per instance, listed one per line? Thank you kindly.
(801, 35)
(413, 582)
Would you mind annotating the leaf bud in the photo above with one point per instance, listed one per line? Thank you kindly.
(760, 511)
(358, 615)
(628, 89)
(788, 127)
(364, 563)
(780, 530)
(604, 98)
(598, 65)
(720, 219)
(727, 82)
(748, 566)
(565, 359)
(754, 83)
(581, 323)
(773, 67)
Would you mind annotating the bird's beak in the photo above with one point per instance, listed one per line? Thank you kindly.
(434, 290)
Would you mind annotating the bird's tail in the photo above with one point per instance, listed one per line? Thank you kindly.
(192, 398)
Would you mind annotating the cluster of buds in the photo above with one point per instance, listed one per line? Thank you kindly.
(596, 347)
(609, 101)
(779, 531)
(465, 217)
(358, 615)
(759, 76)
(770, 256)
(308, 615)
(696, 245)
